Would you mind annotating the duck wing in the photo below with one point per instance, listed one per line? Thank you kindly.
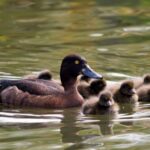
(12, 96)
(33, 87)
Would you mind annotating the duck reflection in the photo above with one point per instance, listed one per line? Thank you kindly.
(77, 128)
(69, 127)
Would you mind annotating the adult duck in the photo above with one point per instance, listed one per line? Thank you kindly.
(28, 93)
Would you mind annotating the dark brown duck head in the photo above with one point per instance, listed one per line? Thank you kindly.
(71, 67)
(106, 99)
(127, 89)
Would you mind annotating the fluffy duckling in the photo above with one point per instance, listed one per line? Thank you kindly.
(139, 81)
(144, 93)
(92, 89)
(126, 93)
(45, 75)
(105, 104)
(147, 79)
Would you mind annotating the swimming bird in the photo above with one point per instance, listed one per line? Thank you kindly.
(91, 89)
(102, 105)
(28, 93)
(139, 81)
(126, 93)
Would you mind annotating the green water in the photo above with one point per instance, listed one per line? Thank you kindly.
(113, 35)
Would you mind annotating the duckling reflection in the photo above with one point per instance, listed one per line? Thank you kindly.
(128, 110)
(106, 124)
(92, 89)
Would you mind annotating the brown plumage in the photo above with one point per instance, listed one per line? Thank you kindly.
(30, 93)
(139, 81)
(105, 104)
(91, 89)
(147, 79)
(144, 93)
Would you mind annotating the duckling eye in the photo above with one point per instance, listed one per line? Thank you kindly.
(76, 62)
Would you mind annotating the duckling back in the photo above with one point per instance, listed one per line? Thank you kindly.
(144, 93)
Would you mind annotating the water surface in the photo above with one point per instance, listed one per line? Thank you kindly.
(114, 36)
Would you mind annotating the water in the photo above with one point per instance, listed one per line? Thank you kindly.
(114, 37)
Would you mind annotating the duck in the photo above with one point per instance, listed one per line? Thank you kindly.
(91, 89)
(125, 93)
(44, 74)
(28, 93)
(105, 104)
(144, 93)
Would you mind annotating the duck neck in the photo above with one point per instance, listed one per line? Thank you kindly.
(67, 80)
(69, 84)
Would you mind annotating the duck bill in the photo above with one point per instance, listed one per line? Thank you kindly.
(87, 71)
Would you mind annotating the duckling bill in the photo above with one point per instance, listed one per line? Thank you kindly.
(27, 93)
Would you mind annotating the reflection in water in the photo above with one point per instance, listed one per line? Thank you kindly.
(73, 125)
(128, 109)
(106, 124)
(70, 130)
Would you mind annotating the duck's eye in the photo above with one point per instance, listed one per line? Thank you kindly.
(76, 62)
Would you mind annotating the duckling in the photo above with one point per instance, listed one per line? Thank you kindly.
(147, 79)
(45, 75)
(126, 93)
(105, 104)
(144, 93)
(92, 89)
(28, 93)
(139, 81)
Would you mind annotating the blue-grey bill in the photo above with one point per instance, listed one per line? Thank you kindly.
(87, 71)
